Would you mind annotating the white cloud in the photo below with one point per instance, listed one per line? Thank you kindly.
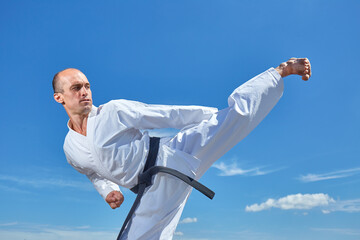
(233, 169)
(8, 224)
(13, 189)
(21, 231)
(296, 201)
(349, 206)
(189, 220)
(83, 227)
(331, 175)
(45, 183)
(308, 201)
(178, 234)
(342, 231)
(51, 234)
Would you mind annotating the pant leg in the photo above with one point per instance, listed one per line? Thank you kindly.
(160, 208)
(248, 106)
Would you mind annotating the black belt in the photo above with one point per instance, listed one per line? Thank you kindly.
(145, 179)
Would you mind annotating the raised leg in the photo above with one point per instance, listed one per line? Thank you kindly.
(248, 105)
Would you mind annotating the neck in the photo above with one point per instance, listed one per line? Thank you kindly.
(78, 123)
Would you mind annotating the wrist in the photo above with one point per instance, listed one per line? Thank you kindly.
(282, 70)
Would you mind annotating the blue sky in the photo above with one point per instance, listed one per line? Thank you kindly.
(296, 176)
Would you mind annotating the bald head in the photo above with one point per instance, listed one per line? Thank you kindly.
(59, 78)
(72, 90)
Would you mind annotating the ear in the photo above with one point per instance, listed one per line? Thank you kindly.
(59, 98)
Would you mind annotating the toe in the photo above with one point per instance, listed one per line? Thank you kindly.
(307, 69)
(306, 77)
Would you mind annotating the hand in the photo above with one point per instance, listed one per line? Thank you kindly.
(114, 199)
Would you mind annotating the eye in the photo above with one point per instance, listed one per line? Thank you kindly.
(76, 88)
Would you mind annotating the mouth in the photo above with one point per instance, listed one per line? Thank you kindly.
(85, 100)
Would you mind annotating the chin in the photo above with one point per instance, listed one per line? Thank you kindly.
(87, 109)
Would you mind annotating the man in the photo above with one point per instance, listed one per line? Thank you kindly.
(106, 143)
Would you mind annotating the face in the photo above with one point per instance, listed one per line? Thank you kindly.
(76, 96)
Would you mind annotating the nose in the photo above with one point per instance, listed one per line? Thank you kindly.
(84, 91)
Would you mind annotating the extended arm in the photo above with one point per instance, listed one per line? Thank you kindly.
(145, 116)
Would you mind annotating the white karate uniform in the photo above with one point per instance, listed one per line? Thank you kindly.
(114, 151)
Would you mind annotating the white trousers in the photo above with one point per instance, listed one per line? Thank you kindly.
(194, 149)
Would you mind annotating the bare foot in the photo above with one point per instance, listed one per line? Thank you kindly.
(299, 66)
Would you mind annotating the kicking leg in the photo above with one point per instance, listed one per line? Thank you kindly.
(248, 105)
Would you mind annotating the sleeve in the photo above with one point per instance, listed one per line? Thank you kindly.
(149, 116)
(254, 99)
(102, 185)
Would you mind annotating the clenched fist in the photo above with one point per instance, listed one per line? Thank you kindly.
(114, 199)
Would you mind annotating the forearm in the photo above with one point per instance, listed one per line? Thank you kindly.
(102, 185)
